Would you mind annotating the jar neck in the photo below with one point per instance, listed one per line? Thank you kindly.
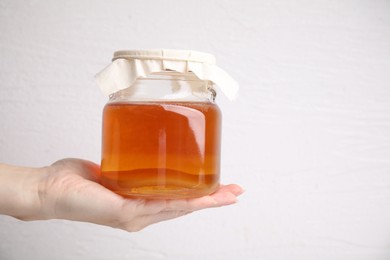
(167, 86)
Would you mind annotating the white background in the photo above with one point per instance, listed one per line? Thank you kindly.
(309, 137)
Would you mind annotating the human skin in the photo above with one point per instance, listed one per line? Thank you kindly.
(69, 189)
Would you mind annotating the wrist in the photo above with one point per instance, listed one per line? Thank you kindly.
(19, 191)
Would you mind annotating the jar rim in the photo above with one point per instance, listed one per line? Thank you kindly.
(166, 54)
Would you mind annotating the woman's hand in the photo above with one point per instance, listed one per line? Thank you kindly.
(68, 189)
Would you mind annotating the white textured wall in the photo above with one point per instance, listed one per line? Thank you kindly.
(309, 137)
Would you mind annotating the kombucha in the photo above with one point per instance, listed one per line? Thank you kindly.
(161, 150)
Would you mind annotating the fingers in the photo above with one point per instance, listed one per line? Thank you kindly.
(233, 188)
(155, 211)
(225, 195)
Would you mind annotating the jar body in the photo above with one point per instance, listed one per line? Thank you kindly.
(166, 146)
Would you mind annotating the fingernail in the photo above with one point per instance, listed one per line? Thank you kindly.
(239, 191)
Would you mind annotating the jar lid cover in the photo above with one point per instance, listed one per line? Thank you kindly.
(129, 65)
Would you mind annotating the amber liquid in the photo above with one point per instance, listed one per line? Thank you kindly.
(161, 150)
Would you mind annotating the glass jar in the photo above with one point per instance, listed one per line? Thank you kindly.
(161, 134)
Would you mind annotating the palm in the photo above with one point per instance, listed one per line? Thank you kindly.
(71, 192)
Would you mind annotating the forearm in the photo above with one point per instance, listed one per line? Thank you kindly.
(19, 191)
